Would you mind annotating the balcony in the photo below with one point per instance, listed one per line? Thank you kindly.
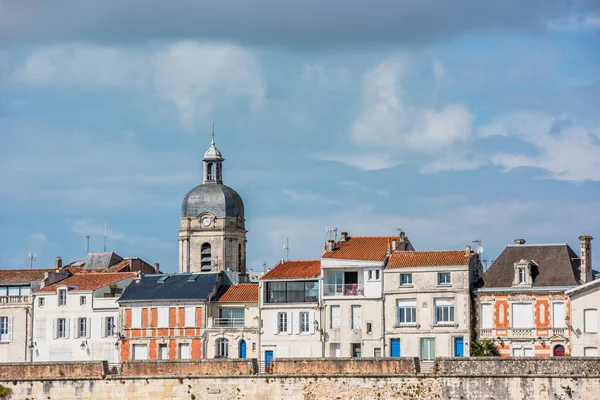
(291, 296)
(15, 299)
(490, 333)
(335, 289)
(228, 322)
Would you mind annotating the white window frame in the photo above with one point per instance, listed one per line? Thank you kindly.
(62, 297)
(304, 322)
(409, 282)
(522, 275)
(6, 329)
(109, 326)
(82, 300)
(62, 328)
(408, 309)
(41, 302)
(356, 317)
(82, 327)
(335, 323)
(163, 317)
(136, 317)
(590, 320)
(487, 320)
(190, 316)
(222, 347)
(441, 281)
(444, 308)
(40, 329)
(282, 322)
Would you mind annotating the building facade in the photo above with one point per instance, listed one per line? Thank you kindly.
(427, 297)
(585, 314)
(290, 312)
(77, 319)
(521, 302)
(212, 232)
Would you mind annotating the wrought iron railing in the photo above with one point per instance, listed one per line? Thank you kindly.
(350, 289)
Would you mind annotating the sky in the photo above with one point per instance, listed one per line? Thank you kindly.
(453, 121)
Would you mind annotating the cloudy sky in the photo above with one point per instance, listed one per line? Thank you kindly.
(450, 120)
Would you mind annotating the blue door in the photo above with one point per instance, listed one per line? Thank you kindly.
(268, 358)
(459, 347)
(242, 348)
(395, 348)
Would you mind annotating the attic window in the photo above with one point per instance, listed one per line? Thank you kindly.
(523, 273)
(162, 279)
(192, 278)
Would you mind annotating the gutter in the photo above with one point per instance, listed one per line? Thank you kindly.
(525, 290)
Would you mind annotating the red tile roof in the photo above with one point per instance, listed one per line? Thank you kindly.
(365, 248)
(243, 292)
(404, 259)
(294, 269)
(89, 281)
(23, 275)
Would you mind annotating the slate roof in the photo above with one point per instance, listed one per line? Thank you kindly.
(243, 292)
(406, 259)
(557, 266)
(364, 248)
(294, 269)
(102, 260)
(88, 281)
(23, 275)
(174, 287)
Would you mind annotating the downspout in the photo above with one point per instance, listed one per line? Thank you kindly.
(383, 351)
(259, 348)
(321, 306)
(27, 340)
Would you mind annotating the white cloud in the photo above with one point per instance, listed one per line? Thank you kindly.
(194, 77)
(566, 149)
(365, 162)
(452, 164)
(86, 227)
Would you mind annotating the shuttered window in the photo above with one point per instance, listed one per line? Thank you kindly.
(558, 315)
(335, 317)
(487, 316)
(590, 320)
(522, 315)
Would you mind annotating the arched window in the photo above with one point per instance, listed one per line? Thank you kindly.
(222, 350)
(559, 350)
(206, 257)
(242, 348)
(239, 257)
(209, 172)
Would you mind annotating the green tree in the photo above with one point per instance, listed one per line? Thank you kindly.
(484, 348)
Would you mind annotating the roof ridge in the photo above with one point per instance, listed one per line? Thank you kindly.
(424, 251)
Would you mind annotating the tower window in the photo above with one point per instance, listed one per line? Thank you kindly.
(209, 172)
(239, 257)
(205, 257)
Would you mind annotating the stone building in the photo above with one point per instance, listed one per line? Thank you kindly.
(77, 319)
(521, 302)
(212, 233)
(427, 297)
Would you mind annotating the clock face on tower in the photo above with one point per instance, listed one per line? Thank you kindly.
(206, 221)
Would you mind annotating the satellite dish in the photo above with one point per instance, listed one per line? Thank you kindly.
(479, 249)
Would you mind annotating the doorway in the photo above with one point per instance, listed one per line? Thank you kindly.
(428, 349)
(459, 347)
(559, 350)
(242, 348)
(395, 348)
(268, 358)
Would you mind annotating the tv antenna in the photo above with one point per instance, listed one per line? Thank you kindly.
(286, 248)
(31, 260)
(87, 239)
(331, 233)
(105, 236)
(479, 248)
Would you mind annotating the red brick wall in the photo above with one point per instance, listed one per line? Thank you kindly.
(542, 323)
(199, 320)
(196, 349)
(144, 317)
(181, 316)
(172, 349)
(172, 317)
(502, 324)
(152, 350)
(128, 318)
(154, 317)
(125, 350)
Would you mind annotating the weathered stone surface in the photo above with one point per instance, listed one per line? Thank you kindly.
(51, 370)
(188, 367)
(343, 366)
(514, 366)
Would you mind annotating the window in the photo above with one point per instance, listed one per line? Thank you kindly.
(356, 317)
(444, 311)
(109, 326)
(373, 274)
(184, 351)
(40, 329)
(82, 328)
(82, 300)
(140, 352)
(292, 292)
(522, 315)
(282, 322)
(5, 329)
(377, 274)
(487, 316)
(590, 352)
(230, 317)
(136, 317)
(41, 301)
(405, 279)
(558, 315)
(163, 352)
(304, 322)
(522, 351)
(163, 317)
(444, 278)
(336, 350)
(406, 312)
(62, 297)
(369, 327)
(335, 317)
(590, 320)
(377, 352)
(190, 316)
(522, 275)
(205, 257)
(222, 350)
(62, 328)
(356, 350)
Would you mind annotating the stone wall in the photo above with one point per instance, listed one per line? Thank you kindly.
(81, 369)
(343, 366)
(526, 366)
(189, 367)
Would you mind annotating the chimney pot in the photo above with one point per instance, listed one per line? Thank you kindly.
(330, 245)
(343, 236)
(519, 241)
(585, 249)
(58, 263)
(468, 250)
(394, 244)
(157, 267)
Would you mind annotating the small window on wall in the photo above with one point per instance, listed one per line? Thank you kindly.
(356, 350)
(590, 320)
(82, 300)
(405, 279)
(444, 278)
(205, 257)
(41, 301)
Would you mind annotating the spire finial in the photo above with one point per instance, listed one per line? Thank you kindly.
(213, 135)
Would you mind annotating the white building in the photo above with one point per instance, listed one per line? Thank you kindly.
(428, 303)
(352, 293)
(585, 307)
(77, 319)
(289, 311)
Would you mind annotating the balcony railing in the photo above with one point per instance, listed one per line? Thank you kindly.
(228, 322)
(350, 289)
(490, 333)
(292, 296)
(15, 299)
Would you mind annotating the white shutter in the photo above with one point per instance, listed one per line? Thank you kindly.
(311, 320)
(163, 317)
(10, 329)
(289, 323)
(558, 315)
(76, 331)
(590, 320)
(297, 323)
(356, 317)
(275, 315)
(136, 317)
(67, 328)
(335, 317)
(103, 327)
(522, 315)
(487, 316)
(190, 316)
(590, 352)
(54, 328)
(528, 352)
(88, 328)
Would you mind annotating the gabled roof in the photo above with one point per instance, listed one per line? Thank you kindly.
(88, 281)
(170, 287)
(364, 248)
(595, 284)
(557, 265)
(406, 259)
(243, 292)
(23, 275)
(102, 260)
(294, 269)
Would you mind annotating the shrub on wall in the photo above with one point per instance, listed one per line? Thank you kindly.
(484, 348)
(5, 392)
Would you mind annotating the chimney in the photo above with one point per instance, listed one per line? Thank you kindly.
(344, 236)
(157, 268)
(585, 248)
(519, 241)
(468, 251)
(389, 247)
(330, 245)
(58, 263)
(394, 244)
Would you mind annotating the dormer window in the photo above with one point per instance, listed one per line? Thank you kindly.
(523, 273)
(62, 297)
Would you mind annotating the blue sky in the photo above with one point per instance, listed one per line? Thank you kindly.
(450, 120)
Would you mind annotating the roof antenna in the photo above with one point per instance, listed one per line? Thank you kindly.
(286, 248)
(87, 238)
(105, 236)
(331, 233)
(213, 135)
(31, 260)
